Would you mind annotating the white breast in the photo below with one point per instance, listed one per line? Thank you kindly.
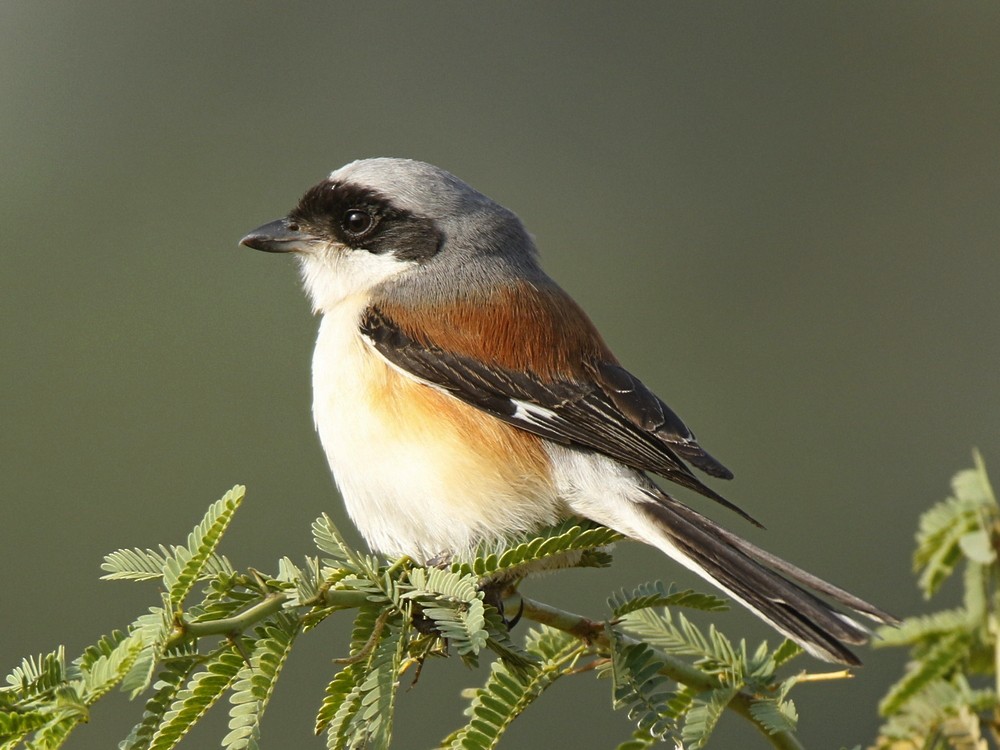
(412, 483)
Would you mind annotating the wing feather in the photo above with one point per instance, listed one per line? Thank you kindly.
(608, 410)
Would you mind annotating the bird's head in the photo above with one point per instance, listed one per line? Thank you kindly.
(399, 224)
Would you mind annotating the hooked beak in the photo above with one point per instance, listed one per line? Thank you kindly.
(281, 236)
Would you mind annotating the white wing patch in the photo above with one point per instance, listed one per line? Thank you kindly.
(532, 413)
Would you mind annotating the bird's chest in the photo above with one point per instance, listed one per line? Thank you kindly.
(421, 473)
(354, 397)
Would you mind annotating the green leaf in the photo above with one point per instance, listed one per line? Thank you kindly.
(775, 716)
(641, 740)
(328, 539)
(920, 628)
(704, 715)
(941, 530)
(105, 664)
(151, 630)
(184, 568)
(200, 693)
(15, 725)
(682, 637)
(937, 662)
(500, 642)
(977, 546)
(67, 710)
(142, 565)
(956, 526)
(342, 699)
(655, 594)
(255, 682)
(358, 707)
(508, 693)
(785, 652)
(172, 677)
(135, 564)
(638, 686)
(378, 689)
(36, 676)
(562, 544)
(455, 604)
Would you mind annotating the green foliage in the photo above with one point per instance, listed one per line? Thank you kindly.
(231, 640)
(569, 543)
(639, 685)
(947, 695)
(655, 594)
(508, 692)
(690, 714)
(201, 690)
(255, 681)
(961, 527)
(358, 706)
(455, 603)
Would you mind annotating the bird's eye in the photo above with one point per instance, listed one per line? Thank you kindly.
(357, 221)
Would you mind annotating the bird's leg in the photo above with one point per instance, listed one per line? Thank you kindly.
(495, 592)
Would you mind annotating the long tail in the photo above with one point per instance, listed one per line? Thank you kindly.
(778, 592)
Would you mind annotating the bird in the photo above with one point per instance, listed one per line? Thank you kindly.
(463, 398)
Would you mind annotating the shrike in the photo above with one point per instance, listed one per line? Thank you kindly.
(462, 397)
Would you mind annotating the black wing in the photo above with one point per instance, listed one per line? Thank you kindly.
(610, 411)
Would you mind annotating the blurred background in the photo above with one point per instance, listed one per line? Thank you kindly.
(783, 217)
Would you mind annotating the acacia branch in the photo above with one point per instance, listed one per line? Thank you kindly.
(674, 668)
(588, 630)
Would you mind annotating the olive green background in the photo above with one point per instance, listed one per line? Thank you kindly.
(783, 216)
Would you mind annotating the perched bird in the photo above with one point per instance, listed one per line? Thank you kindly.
(462, 397)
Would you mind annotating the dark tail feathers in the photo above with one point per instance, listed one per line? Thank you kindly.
(780, 593)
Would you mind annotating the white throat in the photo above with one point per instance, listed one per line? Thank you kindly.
(334, 274)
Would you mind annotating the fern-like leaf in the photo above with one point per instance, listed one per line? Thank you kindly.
(638, 686)
(378, 690)
(774, 715)
(569, 540)
(920, 628)
(955, 528)
(454, 603)
(703, 716)
(507, 693)
(328, 539)
(148, 564)
(105, 664)
(15, 725)
(171, 679)
(500, 642)
(183, 569)
(255, 681)
(640, 740)
(33, 677)
(655, 594)
(785, 652)
(67, 710)
(135, 564)
(358, 707)
(151, 630)
(681, 636)
(200, 693)
(342, 699)
(936, 663)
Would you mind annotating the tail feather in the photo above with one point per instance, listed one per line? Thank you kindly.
(767, 585)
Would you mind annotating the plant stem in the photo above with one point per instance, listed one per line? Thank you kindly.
(184, 630)
(674, 668)
(230, 625)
